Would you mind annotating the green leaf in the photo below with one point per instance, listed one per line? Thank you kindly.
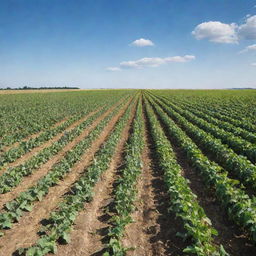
(6, 224)
(214, 232)
(190, 249)
(223, 252)
(65, 236)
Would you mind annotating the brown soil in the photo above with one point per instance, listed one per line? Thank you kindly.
(24, 233)
(36, 150)
(247, 188)
(154, 232)
(91, 225)
(33, 178)
(138, 233)
(233, 239)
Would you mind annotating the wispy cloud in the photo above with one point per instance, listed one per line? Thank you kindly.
(155, 62)
(249, 48)
(113, 69)
(142, 42)
(218, 32)
(151, 62)
(254, 64)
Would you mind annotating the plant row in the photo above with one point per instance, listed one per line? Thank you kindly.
(25, 146)
(60, 222)
(24, 202)
(239, 207)
(235, 119)
(125, 192)
(238, 144)
(231, 111)
(24, 114)
(13, 176)
(235, 164)
(183, 202)
(29, 114)
(202, 113)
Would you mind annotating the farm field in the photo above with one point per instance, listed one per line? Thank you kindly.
(128, 172)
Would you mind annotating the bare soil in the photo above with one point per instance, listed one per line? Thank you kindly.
(36, 150)
(32, 136)
(233, 239)
(153, 232)
(24, 233)
(91, 226)
(43, 170)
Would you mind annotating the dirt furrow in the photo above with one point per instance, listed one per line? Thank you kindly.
(36, 150)
(32, 179)
(153, 232)
(6, 148)
(91, 225)
(230, 236)
(24, 233)
(137, 234)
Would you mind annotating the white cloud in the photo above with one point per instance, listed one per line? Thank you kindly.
(155, 62)
(216, 32)
(113, 69)
(142, 42)
(248, 29)
(144, 62)
(254, 64)
(249, 48)
(185, 58)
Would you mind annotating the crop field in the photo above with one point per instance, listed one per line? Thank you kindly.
(128, 172)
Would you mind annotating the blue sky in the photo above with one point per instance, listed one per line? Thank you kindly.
(79, 42)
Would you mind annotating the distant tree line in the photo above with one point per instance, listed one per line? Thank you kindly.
(40, 88)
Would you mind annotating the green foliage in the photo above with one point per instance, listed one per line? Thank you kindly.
(13, 176)
(237, 164)
(126, 190)
(221, 123)
(25, 114)
(60, 221)
(182, 200)
(240, 208)
(24, 202)
(238, 144)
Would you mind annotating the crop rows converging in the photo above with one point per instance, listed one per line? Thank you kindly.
(128, 172)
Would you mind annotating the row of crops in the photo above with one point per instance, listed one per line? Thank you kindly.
(202, 155)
